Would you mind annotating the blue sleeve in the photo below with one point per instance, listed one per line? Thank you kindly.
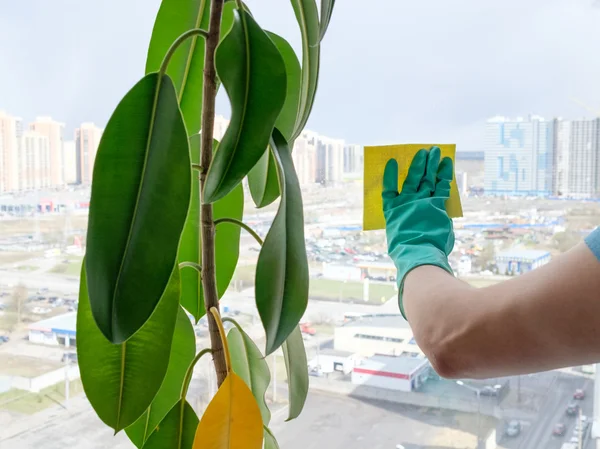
(593, 242)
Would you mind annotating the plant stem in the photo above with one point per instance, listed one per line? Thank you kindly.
(242, 225)
(176, 44)
(207, 232)
(190, 371)
(215, 313)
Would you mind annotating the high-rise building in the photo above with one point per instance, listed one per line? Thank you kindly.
(353, 159)
(519, 156)
(220, 126)
(35, 161)
(11, 129)
(54, 131)
(304, 155)
(87, 139)
(330, 160)
(577, 147)
(70, 162)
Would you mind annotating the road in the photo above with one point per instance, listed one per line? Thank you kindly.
(538, 434)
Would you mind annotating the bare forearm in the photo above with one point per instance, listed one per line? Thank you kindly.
(530, 323)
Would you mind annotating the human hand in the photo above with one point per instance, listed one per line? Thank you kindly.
(418, 229)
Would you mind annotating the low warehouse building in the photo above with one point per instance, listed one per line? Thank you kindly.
(330, 360)
(55, 331)
(520, 261)
(393, 373)
(377, 334)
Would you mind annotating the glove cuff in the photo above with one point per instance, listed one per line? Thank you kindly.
(416, 257)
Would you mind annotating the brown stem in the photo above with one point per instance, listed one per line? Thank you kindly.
(209, 279)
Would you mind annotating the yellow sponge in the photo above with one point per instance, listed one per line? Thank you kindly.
(376, 157)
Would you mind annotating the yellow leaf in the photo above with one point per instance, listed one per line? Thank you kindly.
(232, 419)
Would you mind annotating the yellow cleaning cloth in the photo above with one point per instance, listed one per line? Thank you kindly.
(375, 159)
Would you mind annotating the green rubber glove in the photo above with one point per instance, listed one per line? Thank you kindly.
(419, 231)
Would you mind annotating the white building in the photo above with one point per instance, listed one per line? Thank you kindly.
(35, 171)
(377, 334)
(55, 331)
(392, 373)
(70, 162)
(329, 360)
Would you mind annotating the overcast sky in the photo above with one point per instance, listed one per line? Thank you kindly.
(404, 70)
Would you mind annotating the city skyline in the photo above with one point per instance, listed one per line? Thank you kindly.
(373, 89)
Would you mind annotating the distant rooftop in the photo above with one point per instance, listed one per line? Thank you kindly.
(522, 254)
(470, 155)
(65, 323)
(401, 364)
(394, 321)
(335, 352)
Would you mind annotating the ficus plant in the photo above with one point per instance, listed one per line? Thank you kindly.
(165, 221)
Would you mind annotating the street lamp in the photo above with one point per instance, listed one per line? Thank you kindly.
(478, 392)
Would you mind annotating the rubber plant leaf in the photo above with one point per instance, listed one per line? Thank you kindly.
(270, 440)
(139, 201)
(186, 67)
(296, 365)
(183, 350)
(281, 285)
(248, 362)
(227, 241)
(262, 179)
(253, 73)
(176, 430)
(121, 380)
(307, 16)
(232, 419)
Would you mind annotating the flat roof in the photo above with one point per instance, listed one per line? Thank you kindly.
(394, 321)
(400, 364)
(335, 352)
(64, 324)
(526, 254)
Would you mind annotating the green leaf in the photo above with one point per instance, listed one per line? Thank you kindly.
(296, 366)
(308, 19)
(281, 286)
(121, 380)
(227, 241)
(139, 202)
(186, 67)
(176, 430)
(253, 73)
(326, 12)
(183, 350)
(262, 180)
(287, 117)
(248, 362)
(270, 441)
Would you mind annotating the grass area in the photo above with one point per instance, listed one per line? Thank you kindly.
(24, 366)
(29, 403)
(72, 268)
(243, 277)
(27, 268)
(7, 257)
(332, 290)
(324, 329)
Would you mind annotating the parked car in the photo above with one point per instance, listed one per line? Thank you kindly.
(4, 339)
(513, 428)
(559, 429)
(69, 356)
(490, 390)
(572, 409)
(579, 394)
